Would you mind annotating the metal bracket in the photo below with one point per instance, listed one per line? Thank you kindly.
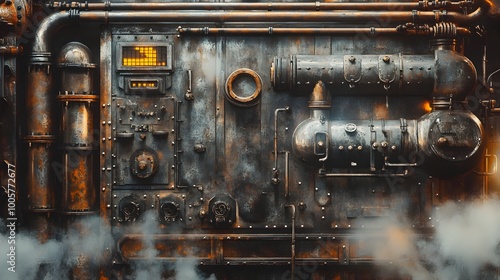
(321, 145)
(352, 69)
(386, 69)
(373, 140)
(189, 92)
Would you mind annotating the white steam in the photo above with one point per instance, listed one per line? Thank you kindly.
(465, 243)
(55, 258)
(469, 236)
(184, 268)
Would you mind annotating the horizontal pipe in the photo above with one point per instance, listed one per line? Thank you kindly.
(377, 74)
(269, 6)
(330, 175)
(281, 16)
(52, 23)
(308, 31)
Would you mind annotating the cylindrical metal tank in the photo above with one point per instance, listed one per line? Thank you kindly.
(445, 142)
(443, 73)
(77, 131)
(40, 136)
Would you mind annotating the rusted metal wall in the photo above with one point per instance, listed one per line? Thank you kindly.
(255, 138)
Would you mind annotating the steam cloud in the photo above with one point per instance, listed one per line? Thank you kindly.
(465, 244)
(183, 268)
(53, 260)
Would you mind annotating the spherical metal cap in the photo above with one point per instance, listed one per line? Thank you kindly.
(75, 54)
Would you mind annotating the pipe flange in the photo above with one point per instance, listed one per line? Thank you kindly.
(77, 98)
(42, 58)
(237, 79)
(39, 138)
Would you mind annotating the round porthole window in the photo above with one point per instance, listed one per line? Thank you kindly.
(243, 87)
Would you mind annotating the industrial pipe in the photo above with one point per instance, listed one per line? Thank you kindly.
(77, 96)
(40, 136)
(51, 23)
(398, 30)
(442, 74)
(444, 142)
(281, 16)
(269, 6)
(41, 126)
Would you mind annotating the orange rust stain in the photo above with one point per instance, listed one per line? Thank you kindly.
(381, 112)
(131, 248)
(79, 186)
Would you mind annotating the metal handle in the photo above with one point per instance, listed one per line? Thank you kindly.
(326, 149)
(189, 92)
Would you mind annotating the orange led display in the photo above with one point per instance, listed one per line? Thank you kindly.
(144, 56)
(142, 84)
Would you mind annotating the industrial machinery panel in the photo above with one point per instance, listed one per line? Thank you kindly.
(249, 140)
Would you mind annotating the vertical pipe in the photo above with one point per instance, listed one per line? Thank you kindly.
(76, 95)
(40, 137)
(79, 194)
(287, 174)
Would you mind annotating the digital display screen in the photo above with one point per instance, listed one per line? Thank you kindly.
(143, 84)
(144, 56)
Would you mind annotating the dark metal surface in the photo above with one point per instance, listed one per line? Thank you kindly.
(275, 139)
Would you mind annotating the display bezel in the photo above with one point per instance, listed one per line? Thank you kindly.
(119, 56)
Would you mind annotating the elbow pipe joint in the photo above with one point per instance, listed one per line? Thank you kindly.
(41, 49)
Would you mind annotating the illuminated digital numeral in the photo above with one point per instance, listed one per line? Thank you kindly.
(144, 56)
